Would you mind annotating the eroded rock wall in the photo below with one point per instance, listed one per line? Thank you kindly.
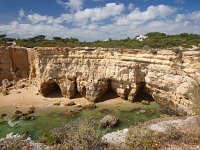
(166, 74)
(14, 63)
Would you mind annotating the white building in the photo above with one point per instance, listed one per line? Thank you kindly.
(141, 37)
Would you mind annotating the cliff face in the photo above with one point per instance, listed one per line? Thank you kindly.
(14, 63)
(164, 74)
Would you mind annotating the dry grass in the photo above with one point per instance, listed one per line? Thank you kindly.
(144, 139)
(12, 144)
(195, 97)
(79, 135)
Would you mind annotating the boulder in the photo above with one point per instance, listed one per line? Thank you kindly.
(26, 116)
(71, 113)
(17, 112)
(5, 92)
(145, 102)
(23, 116)
(57, 104)
(105, 111)
(3, 116)
(6, 83)
(18, 92)
(3, 122)
(31, 110)
(72, 103)
(1, 89)
(109, 121)
(17, 115)
(91, 106)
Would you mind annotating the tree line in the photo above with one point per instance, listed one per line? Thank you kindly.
(155, 40)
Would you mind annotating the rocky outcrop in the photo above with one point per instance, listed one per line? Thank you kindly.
(187, 125)
(165, 75)
(14, 63)
(109, 121)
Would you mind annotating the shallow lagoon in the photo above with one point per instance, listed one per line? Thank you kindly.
(54, 116)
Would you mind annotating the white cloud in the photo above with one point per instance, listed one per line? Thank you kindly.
(109, 21)
(81, 16)
(152, 12)
(35, 18)
(194, 16)
(97, 14)
(74, 5)
(21, 13)
(181, 2)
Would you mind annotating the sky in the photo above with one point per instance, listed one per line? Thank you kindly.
(90, 20)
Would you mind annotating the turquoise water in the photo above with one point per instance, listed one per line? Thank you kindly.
(49, 118)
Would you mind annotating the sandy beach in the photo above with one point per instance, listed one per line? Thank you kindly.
(29, 96)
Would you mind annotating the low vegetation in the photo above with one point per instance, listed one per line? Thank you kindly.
(82, 135)
(155, 40)
(195, 97)
(13, 144)
(78, 135)
(138, 139)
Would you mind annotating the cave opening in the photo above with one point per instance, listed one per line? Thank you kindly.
(109, 94)
(142, 93)
(51, 89)
(79, 94)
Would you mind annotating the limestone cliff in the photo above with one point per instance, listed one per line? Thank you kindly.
(14, 63)
(164, 74)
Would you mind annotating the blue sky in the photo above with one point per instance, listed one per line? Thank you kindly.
(98, 19)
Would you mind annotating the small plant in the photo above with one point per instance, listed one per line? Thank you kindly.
(146, 47)
(181, 61)
(154, 52)
(141, 140)
(12, 144)
(176, 51)
(172, 133)
(195, 97)
(171, 59)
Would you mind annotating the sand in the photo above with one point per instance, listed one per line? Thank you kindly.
(29, 96)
